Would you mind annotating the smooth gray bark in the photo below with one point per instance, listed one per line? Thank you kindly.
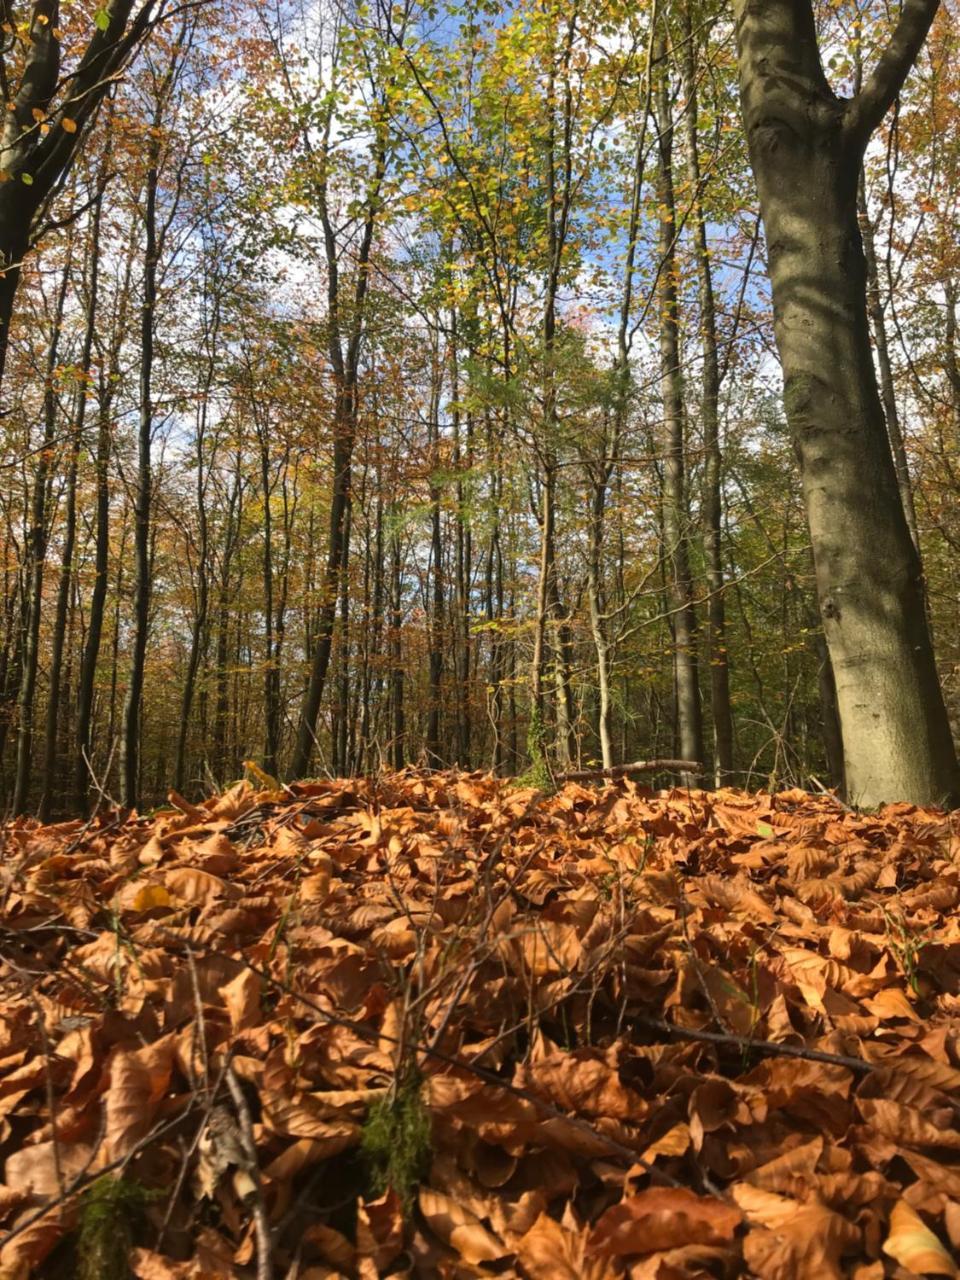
(806, 147)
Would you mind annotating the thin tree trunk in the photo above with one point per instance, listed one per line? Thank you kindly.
(710, 409)
(202, 603)
(396, 654)
(435, 676)
(952, 362)
(65, 588)
(36, 555)
(133, 706)
(346, 369)
(675, 514)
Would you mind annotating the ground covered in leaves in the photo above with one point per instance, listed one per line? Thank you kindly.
(438, 1026)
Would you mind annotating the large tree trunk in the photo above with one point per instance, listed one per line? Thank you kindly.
(806, 146)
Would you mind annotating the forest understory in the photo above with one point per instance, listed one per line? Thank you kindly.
(437, 1024)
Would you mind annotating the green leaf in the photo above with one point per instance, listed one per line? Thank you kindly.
(27, 179)
(101, 19)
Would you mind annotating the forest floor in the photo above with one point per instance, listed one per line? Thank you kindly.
(434, 1025)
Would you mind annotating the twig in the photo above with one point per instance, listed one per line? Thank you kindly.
(831, 795)
(261, 1221)
(187, 1156)
(859, 1066)
(638, 766)
(200, 1023)
(772, 1047)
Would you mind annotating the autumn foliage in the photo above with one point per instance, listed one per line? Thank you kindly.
(600, 1033)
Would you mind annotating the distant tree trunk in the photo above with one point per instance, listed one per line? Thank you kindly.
(198, 630)
(91, 649)
(65, 588)
(806, 148)
(36, 556)
(271, 676)
(341, 710)
(546, 516)
(675, 514)
(373, 645)
(563, 665)
(832, 737)
(597, 621)
(464, 559)
(951, 359)
(434, 758)
(113, 734)
(493, 600)
(11, 654)
(710, 409)
(133, 706)
(345, 362)
(396, 653)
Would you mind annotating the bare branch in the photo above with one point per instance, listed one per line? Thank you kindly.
(884, 83)
(638, 766)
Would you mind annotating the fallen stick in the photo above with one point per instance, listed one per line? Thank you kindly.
(774, 1048)
(638, 766)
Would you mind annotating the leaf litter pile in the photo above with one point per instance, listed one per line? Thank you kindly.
(434, 1025)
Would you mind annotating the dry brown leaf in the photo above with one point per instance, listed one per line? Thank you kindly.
(550, 1251)
(662, 1218)
(139, 1079)
(242, 997)
(459, 1228)
(914, 1246)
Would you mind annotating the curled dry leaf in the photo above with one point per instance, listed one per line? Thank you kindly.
(914, 1246)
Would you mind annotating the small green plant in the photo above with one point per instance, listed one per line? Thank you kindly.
(110, 1213)
(395, 1141)
(906, 946)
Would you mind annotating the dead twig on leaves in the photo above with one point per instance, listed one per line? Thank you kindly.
(625, 770)
(261, 1220)
(772, 1048)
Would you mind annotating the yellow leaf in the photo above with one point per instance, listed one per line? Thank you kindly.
(70, 126)
(150, 896)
